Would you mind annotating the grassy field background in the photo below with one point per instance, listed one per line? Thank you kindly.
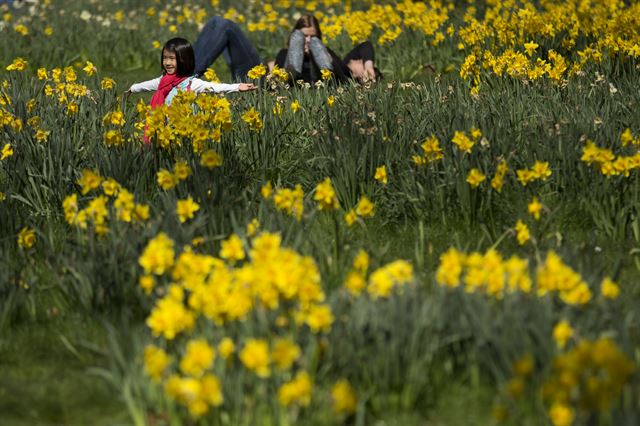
(441, 326)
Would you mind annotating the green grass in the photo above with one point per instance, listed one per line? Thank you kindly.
(426, 356)
(44, 369)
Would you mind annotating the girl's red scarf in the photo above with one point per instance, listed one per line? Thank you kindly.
(167, 83)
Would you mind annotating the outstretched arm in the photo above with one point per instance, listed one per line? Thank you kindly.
(145, 86)
(200, 86)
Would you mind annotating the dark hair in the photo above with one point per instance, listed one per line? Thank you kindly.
(185, 57)
(307, 21)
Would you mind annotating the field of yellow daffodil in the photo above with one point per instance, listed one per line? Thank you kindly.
(457, 243)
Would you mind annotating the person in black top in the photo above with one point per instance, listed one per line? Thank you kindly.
(306, 56)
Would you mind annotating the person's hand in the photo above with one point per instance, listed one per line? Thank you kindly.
(369, 71)
(246, 87)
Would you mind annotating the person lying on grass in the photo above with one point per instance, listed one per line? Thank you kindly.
(178, 66)
(307, 56)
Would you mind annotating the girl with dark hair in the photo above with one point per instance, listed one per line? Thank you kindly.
(306, 56)
(177, 61)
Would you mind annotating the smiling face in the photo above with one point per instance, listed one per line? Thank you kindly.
(169, 62)
(308, 33)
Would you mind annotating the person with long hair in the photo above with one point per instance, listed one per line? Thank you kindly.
(307, 56)
(177, 61)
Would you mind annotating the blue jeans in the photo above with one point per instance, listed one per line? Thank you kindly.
(222, 36)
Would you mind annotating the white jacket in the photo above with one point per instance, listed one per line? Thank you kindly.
(197, 86)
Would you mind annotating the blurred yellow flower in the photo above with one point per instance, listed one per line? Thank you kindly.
(226, 347)
(31, 104)
(297, 391)
(562, 332)
(431, 149)
(365, 207)
(113, 138)
(498, 179)
(384, 279)
(285, 353)
(90, 69)
(7, 151)
(525, 176)
(158, 255)
(475, 178)
(110, 187)
(267, 190)
(21, 29)
(72, 108)
(554, 275)
(197, 241)
(345, 399)
(326, 196)
(198, 357)
(147, 283)
(255, 357)
(418, 160)
(257, 72)
(181, 170)
(361, 261)
(210, 159)
(462, 142)
(114, 118)
(626, 137)
(18, 64)
(290, 201)
(277, 109)
(107, 83)
(210, 75)
(561, 414)
(319, 318)
(166, 179)
(524, 366)
(522, 232)
(232, 249)
(253, 120)
(350, 217)
(609, 289)
(541, 170)
(331, 100)
(185, 209)
(280, 74)
(89, 181)
(252, 227)
(530, 47)
(156, 362)
(26, 237)
(196, 394)
(534, 208)
(42, 74)
(355, 283)
(381, 175)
